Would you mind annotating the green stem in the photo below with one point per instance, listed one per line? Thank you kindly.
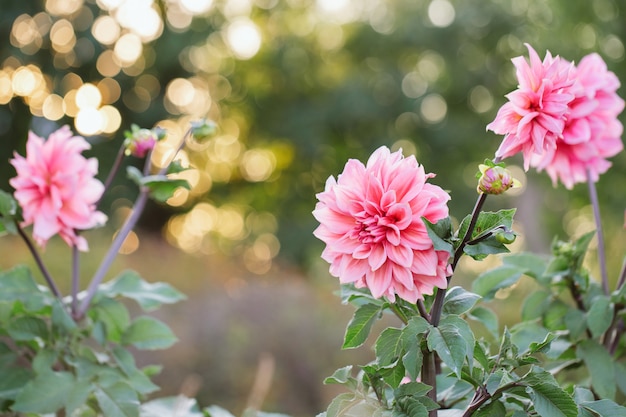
(122, 234)
(75, 279)
(422, 310)
(435, 312)
(115, 168)
(398, 313)
(622, 275)
(429, 376)
(39, 261)
(593, 196)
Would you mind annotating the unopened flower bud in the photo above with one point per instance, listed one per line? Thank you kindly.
(139, 142)
(495, 180)
(202, 130)
(507, 236)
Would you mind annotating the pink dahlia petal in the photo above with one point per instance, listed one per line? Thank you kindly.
(371, 222)
(534, 117)
(591, 132)
(56, 188)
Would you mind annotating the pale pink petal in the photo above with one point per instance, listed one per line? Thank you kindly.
(56, 188)
(371, 222)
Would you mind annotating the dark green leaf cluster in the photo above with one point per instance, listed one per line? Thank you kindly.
(50, 363)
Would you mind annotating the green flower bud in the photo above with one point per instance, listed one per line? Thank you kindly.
(506, 237)
(495, 180)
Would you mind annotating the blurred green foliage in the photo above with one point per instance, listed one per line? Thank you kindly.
(331, 81)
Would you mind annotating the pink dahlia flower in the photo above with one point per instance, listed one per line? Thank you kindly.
(592, 131)
(371, 221)
(56, 188)
(534, 117)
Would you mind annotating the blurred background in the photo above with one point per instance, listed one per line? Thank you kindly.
(296, 87)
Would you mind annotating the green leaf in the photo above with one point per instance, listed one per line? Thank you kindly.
(459, 301)
(412, 335)
(411, 407)
(149, 296)
(620, 377)
(47, 393)
(393, 374)
(412, 389)
(18, 284)
(487, 317)
(453, 340)
(389, 346)
(412, 360)
(113, 315)
(215, 411)
(28, 328)
(61, 320)
(440, 233)
(44, 360)
(551, 401)
(535, 305)
(542, 346)
(605, 408)
(600, 365)
(576, 322)
(176, 167)
(8, 210)
(13, 381)
(134, 174)
(524, 334)
(161, 186)
(533, 265)
(599, 315)
(338, 407)
(342, 376)
(554, 316)
(148, 333)
(488, 246)
(8, 205)
(487, 221)
(179, 406)
(491, 409)
(78, 397)
(117, 400)
(488, 283)
(137, 379)
(359, 327)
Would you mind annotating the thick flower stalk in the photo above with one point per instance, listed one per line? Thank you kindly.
(57, 189)
(371, 221)
(534, 117)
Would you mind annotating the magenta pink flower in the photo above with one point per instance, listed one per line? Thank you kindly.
(371, 221)
(592, 132)
(56, 188)
(534, 117)
(140, 142)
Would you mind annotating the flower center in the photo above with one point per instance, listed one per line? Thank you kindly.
(377, 225)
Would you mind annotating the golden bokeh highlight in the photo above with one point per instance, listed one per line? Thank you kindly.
(62, 36)
(106, 30)
(63, 7)
(128, 49)
(53, 107)
(244, 38)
